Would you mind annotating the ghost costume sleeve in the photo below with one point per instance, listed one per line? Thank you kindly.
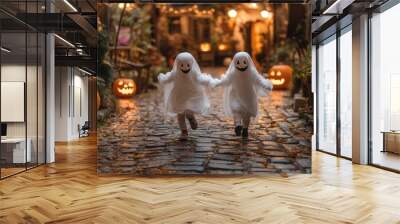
(263, 86)
(225, 80)
(205, 79)
(165, 78)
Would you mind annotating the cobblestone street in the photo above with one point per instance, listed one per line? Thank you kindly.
(140, 140)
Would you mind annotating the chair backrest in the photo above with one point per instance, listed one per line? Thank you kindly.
(86, 125)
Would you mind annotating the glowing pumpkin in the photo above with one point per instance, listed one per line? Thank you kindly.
(280, 76)
(124, 88)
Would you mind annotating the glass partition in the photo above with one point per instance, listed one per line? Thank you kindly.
(31, 97)
(346, 93)
(385, 89)
(41, 96)
(14, 143)
(327, 96)
(22, 89)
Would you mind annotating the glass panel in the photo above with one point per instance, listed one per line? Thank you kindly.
(327, 97)
(22, 87)
(31, 97)
(385, 84)
(41, 99)
(32, 87)
(13, 86)
(346, 94)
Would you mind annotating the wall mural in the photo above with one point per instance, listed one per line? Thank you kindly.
(204, 89)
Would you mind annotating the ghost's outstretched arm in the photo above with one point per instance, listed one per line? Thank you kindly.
(260, 81)
(206, 80)
(165, 78)
(225, 80)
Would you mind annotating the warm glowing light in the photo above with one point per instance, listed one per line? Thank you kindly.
(130, 6)
(265, 14)
(186, 10)
(277, 82)
(272, 73)
(121, 5)
(232, 13)
(124, 88)
(222, 47)
(205, 47)
(281, 76)
(253, 5)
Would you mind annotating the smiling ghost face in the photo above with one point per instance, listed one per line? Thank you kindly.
(185, 65)
(241, 64)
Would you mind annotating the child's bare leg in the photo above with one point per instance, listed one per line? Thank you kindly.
(237, 118)
(246, 123)
(192, 120)
(182, 125)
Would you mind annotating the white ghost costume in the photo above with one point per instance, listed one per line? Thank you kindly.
(184, 89)
(243, 84)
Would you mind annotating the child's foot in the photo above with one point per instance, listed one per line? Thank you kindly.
(193, 123)
(184, 135)
(238, 130)
(245, 133)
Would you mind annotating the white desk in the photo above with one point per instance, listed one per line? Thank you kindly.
(18, 149)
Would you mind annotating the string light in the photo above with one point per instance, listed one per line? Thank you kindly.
(265, 14)
(232, 13)
(253, 5)
(188, 10)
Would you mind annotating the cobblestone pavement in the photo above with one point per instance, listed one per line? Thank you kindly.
(140, 140)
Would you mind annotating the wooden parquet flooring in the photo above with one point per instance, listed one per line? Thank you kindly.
(70, 191)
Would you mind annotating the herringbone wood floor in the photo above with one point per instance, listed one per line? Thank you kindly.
(70, 191)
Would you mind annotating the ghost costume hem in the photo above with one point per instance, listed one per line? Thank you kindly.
(243, 84)
(184, 87)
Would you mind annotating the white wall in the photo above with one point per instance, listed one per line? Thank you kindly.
(71, 103)
(16, 73)
(61, 103)
(33, 127)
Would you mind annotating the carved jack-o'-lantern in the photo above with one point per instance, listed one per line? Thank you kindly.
(280, 76)
(124, 87)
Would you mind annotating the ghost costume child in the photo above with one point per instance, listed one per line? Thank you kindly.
(184, 91)
(242, 85)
